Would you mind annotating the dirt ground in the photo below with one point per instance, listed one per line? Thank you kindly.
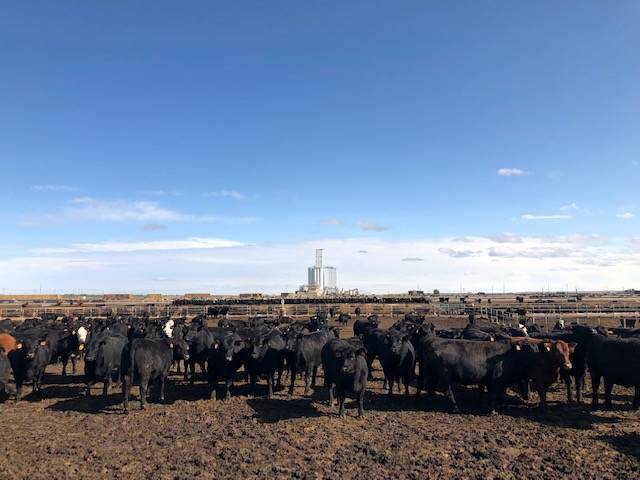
(67, 435)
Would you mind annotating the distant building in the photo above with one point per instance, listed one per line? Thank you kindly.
(320, 279)
(197, 296)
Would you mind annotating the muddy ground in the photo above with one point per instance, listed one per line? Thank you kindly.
(67, 435)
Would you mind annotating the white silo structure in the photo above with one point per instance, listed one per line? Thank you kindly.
(321, 278)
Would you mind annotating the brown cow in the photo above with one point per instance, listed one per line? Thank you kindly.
(8, 343)
(546, 359)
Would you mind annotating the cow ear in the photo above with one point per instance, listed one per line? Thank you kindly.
(547, 347)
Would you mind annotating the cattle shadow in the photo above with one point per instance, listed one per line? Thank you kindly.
(90, 405)
(628, 443)
(558, 414)
(274, 410)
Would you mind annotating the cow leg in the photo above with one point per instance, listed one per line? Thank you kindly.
(293, 379)
(270, 378)
(595, 386)
(579, 380)
(341, 398)
(566, 378)
(331, 387)
(636, 398)
(192, 371)
(74, 360)
(163, 380)
(407, 381)
(369, 363)
(106, 386)
(144, 385)
(361, 403)
(389, 380)
(608, 386)
(88, 392)
(65, 360)
(227, 393)
(307, 374)
(126, 391)
(542, 394)
(452, 398)
(18, 390)
(313, 378)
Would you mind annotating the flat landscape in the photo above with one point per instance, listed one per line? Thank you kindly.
(65, 434)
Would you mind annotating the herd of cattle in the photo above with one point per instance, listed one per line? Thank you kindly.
(141, 351)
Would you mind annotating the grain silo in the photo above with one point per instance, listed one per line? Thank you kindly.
(321, 278)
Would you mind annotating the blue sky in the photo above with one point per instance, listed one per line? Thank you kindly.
(266, 127)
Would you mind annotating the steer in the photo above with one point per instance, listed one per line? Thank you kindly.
(5, 375)
(29, 362)
(345, 369)
(448, 362)
(266, 355)
(145, 362)
(226, 356)
(102, 362)
(308, 356)
(543, 360)
(397, 357)
(617, 360)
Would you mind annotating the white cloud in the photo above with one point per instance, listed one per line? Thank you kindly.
(513, 172)
(54, 188)
(161, 193)
(113, 247)
(573, 207)
(529, 216)
(370, 226)
(202, 264)
(226, 193)
(92, 209)
(505, 238)
(413, 259)
(332, 221)
(625, 215)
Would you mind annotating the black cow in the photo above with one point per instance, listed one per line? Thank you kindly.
(617, 360)
(414, 317)
(472, 332)
(5, 375)
(445, 362)
(65, 345)
(102, 362)
(344, 318)
(145, 362)
(29, 362)
(345, 369)
(226, 356)
(266, 356)
(199, 340)
(373, 339)
(308, 356)
(397, 357)
(360, 326)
